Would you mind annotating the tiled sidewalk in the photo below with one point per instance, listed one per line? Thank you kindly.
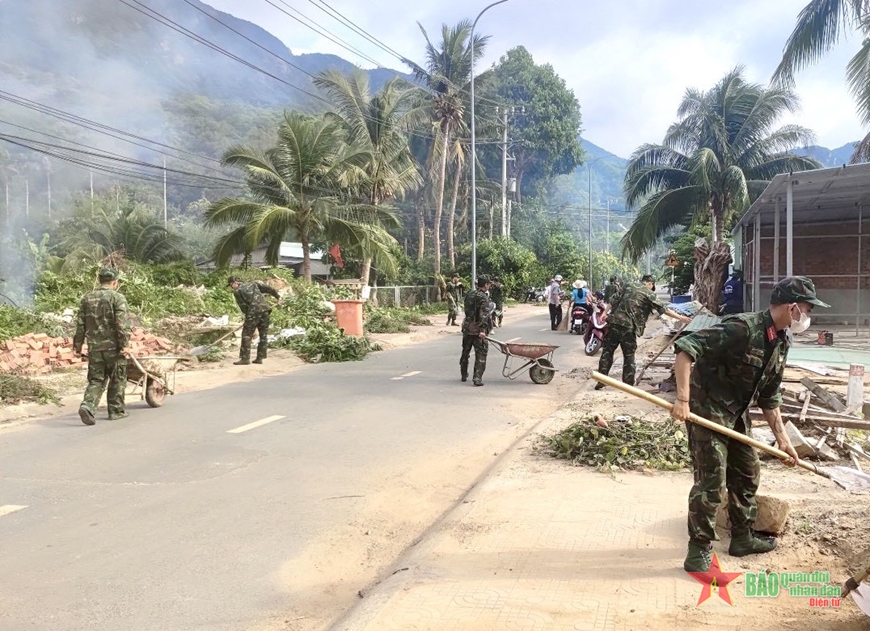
(546, 547)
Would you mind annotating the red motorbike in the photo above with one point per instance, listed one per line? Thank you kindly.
(579, 320)
(596, 330)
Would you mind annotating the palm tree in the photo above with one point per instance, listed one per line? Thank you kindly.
(299, 188)
(820, 25)
(135, 232)
(447, 75)
(377, 124)
(713, 162)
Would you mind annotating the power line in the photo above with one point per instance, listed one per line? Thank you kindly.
(321, 30)
(333, 38)
(98, 127)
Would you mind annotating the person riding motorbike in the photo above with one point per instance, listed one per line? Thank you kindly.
(581, 298)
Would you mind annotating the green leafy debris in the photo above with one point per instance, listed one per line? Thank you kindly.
(624, 444)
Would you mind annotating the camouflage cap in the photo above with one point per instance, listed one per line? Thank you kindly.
(795, 289)
(233, 279)
(107, 274)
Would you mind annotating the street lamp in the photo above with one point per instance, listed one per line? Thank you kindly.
(474, 154)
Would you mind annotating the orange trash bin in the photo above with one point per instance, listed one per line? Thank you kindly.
(349, 314)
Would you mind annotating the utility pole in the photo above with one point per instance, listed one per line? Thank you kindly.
(504, 143)
(607, 204)
(26, 197)
(165, 221)
(92, 192)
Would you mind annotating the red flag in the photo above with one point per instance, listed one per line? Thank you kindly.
(335, 253)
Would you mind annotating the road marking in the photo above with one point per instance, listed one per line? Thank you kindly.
(409, 374)
(10, 508)
(516, 339)
(255, 424)
(546, 329)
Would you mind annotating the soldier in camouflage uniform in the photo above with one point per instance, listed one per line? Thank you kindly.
(496, 294)
(103, 321)
(612, 289)
(736, 362)
(475, 327)
(630, 309)
(249, 297)
(454, 299)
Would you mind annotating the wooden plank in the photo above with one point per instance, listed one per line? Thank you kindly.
(827, 399)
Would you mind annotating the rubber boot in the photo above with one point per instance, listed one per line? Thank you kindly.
(449, 320)
(744, 544)
(242, 362)
(463, 372)
(698, 558)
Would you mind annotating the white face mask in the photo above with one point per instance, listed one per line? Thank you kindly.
(801, 325)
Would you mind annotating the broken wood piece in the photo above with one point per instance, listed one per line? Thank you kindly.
(855, 390)
(856, 449)
(841, 423)
(823, 395)
(807, 398)
(855, 462)
(823, 438)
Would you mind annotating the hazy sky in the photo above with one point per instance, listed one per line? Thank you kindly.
(628, 61)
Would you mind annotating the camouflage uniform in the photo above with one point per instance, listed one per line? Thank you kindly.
(496, 294)
(735, 362)
(103, 321)
(631, 308)
(454, 297)
(249, 297)
(477, 320)
(612, 290)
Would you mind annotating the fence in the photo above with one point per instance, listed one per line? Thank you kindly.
(402, 295)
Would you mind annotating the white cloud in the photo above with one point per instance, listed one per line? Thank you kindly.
(628, 62)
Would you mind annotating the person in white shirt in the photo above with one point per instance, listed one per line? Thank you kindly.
(555, 294)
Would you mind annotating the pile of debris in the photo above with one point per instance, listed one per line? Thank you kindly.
(817, 420)
(39, 353)
(820, 402)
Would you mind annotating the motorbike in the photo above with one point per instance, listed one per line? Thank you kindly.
(579, 320)
(595, 331)
(535, 294)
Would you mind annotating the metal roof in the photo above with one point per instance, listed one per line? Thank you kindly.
(822, 195)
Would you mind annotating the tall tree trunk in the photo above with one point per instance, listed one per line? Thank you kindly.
(421, 230)
(439, 202)
(710, 262)
(306, 256)
(451, 218)
(366, 271)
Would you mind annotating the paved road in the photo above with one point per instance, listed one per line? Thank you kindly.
(188, 518)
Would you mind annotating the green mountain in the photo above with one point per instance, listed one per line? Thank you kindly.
(829, 157)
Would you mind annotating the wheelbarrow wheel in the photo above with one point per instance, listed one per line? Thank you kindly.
(539, 373)
(155, 393)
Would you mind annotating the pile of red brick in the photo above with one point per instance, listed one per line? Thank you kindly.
(39, 353)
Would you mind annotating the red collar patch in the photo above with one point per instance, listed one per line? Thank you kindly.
(771, 333)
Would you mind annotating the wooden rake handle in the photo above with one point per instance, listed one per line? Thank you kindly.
(715, 427)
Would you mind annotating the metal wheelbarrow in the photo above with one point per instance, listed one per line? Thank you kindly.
(152, 377)
(538, 359)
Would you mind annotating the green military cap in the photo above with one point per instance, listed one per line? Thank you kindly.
(233, 279)
(108, 274)
(796, 289)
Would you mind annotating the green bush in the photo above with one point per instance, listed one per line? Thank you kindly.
(15, 322)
